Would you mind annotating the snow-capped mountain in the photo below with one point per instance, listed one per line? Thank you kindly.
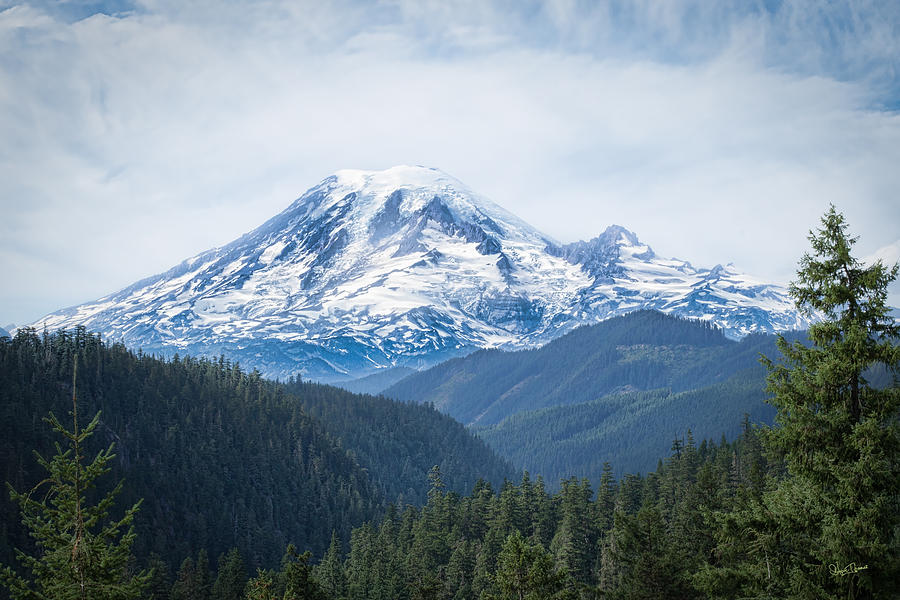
(406, 267)
(627, 275)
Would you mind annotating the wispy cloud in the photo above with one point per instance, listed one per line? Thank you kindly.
(136, 134)
(889, 255)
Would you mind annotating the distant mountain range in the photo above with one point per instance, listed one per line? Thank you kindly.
(407, 267)
(619, 391)
(642, 351)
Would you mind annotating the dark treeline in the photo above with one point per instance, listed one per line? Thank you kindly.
(653, 536)
(394, 441)
(222, 458)
(639, 537)
(690, 529)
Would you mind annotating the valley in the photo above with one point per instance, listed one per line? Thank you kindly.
(549, 421)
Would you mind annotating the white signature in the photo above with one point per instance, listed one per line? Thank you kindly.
(848, 570)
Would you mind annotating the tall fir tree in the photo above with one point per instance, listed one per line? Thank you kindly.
(647, 566)
(81, 553)
(299, 583)
(262, 587)
(526, 572)
(231, 578)
(185, 585)
(194, 579)
(330, 571)
(159, 587)
(841, 437)
(830, 528)
(575, 542)
(203, 576)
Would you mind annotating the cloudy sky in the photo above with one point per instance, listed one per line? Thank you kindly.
(134, 134)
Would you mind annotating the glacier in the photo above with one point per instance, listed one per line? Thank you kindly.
(407, 267)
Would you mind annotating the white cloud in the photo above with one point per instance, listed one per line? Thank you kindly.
(131, 143)
(888, 255)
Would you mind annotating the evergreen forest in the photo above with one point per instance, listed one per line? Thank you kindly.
(222, 458)
(303, 491)
(641, 351)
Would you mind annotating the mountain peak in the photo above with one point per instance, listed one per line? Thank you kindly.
(620, 236)
(404, 267)
(370, 188)
(601, 256)
(396, 177)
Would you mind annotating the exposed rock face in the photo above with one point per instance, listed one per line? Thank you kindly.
(407, 267)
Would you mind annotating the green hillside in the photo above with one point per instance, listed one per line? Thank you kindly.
(641, 351)
(223, 458)
(629, 430)
(619, 391)
(398, 443)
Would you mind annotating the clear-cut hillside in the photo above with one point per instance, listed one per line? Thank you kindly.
(407, 267)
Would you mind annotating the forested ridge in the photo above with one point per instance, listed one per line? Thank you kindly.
(804, 509)
(223, 458)
(618, 391)
(641, 351)
(453, 546)
(398, 443)
(631, 430)
(639, 537)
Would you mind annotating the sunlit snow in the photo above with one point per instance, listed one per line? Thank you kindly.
(404, 267)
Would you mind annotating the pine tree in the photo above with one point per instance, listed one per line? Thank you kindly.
(606, 498)
(159, 586)
(840, 437)
(194, 580)
(185, 584)
(262, 587)
(82, 553)
(299, 583)
(360, 579)
(202, 577)
(526, 572)
(830, 528)
(330, 572)
(643, 552)
(460, 569)
(231, 577)
(575, 541)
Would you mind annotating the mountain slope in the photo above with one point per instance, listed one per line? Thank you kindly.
(398, 443)
(223, 458)
(376, 382)
(644, 350)
(619, 391)
(630, 430)
(407, 267)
